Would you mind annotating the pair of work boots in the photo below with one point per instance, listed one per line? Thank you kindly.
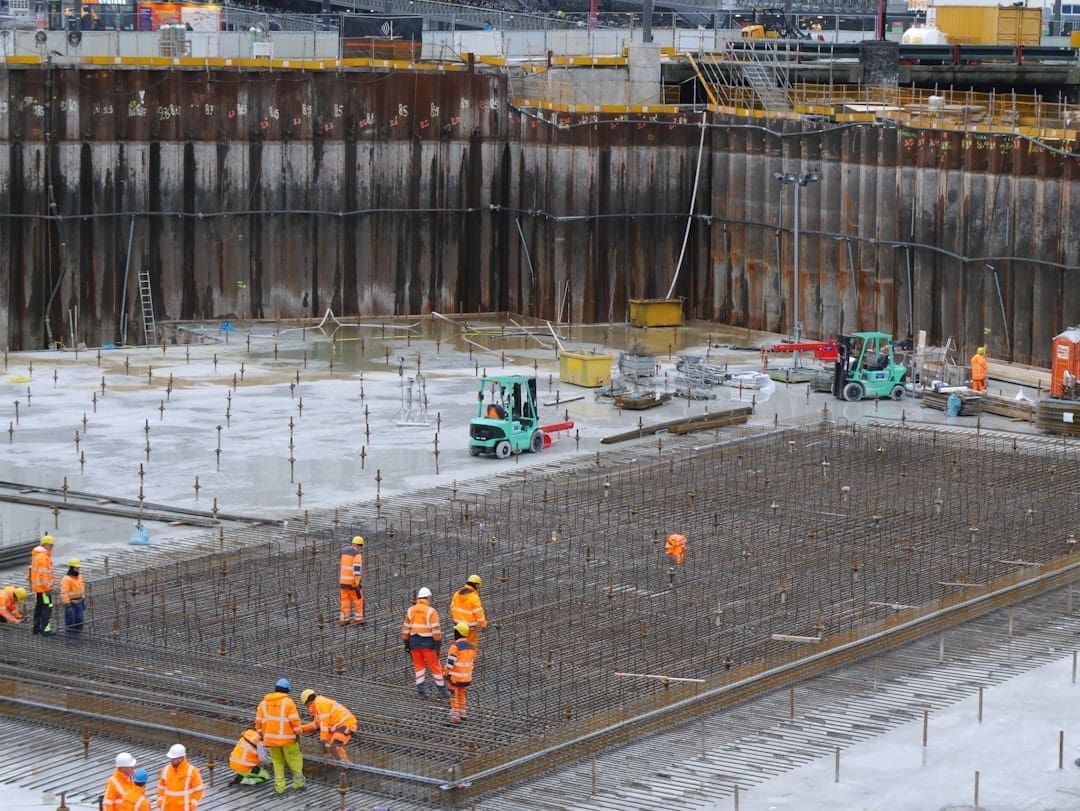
(421, 690)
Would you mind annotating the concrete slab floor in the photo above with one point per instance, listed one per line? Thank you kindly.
(271, 420)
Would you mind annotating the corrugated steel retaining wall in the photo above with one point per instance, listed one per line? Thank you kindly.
(281, 194)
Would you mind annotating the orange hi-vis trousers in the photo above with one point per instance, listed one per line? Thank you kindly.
(458, 709)
(425, 659)
(352, 602)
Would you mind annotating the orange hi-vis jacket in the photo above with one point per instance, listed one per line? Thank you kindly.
(115, 789)
(675, 545)
(180, 787)
(9, 605)
(277, 720)
(421, 625)
(465, 607)
(245, 755)
(135, 799)
(328, 715)
(979, 367)
(350, 567)
(71, 589)
(42, 576)
(459, 662)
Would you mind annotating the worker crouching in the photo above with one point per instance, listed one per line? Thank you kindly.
(248, 758)
(333, 721)
(459, 669)
(422, 636)
(11, 598)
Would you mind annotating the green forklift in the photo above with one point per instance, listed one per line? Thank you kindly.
(506, 419)
(866, 366)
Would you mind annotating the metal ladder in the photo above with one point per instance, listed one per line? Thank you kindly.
(147, 298)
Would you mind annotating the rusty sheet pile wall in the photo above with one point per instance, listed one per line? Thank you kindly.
(277, 195)
(826, 531)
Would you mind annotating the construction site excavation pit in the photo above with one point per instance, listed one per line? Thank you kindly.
(801, 542)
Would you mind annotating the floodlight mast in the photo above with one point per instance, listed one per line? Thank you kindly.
(796, 181)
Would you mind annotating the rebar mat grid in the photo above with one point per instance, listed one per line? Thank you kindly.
(808, 532)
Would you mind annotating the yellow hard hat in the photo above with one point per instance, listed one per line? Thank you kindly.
(20, 593)
(981, 350)
(75, 563)
(475, 580)
(358, 540)
(462, 628)
(48, 540)
(309, 694)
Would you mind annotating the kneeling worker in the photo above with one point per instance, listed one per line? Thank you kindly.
(10, 598)
(247, 759)
(335, 724)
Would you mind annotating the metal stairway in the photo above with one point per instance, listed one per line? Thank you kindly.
(761, 70)
(147, 299)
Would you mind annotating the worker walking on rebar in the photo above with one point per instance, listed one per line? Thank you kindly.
(675, 546)
(119, 783)
(279, 724)
(180, 786)
(333, 721)
(247, 759)
(72, 596)
(42, 579)
(135, 798)
(465, 606)
(460, 659)
(351, 581)
(11, 598)
(979, 369)
(423, 639)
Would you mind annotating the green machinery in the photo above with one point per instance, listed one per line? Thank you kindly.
(867, 367)
(506, 420)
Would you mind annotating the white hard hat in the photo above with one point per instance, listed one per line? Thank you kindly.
(424, 592)
(125, 760)
(177, 750)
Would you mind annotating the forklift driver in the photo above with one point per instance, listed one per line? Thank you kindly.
(495, 411)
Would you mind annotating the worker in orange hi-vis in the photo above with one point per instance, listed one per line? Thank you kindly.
(459, 670)
(72, 593)
(422, 636)
(180, 786)
(465, 606)
(978, 369)
(247, 758)
(119, 783)
(42, 579)
(135, 798)
(11, 598)
(351, 581)
(676, 547)
(279, 723)
(333, 721)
